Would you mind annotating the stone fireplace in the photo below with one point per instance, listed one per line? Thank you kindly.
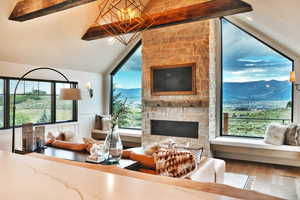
(175, 45)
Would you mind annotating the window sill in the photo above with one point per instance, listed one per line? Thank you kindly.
(251, 143)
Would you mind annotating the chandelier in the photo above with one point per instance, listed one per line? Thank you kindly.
(122, 18)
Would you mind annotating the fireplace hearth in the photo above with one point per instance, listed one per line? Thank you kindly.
(182, 129)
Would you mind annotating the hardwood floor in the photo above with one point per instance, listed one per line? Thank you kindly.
(281, 181)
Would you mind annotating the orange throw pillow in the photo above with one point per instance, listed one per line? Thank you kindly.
(148, 171)
(145, 160)
(69, 145)
(126, 154)
(61, 137)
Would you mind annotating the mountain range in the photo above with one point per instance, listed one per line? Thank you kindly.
(257, 91)
(132, 95)
(237, 91)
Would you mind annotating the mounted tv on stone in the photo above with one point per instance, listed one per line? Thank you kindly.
(173, 80)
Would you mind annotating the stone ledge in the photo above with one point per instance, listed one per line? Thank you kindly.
(175, 103)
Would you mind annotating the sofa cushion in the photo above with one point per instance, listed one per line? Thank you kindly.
(291, 135)
(275, 134)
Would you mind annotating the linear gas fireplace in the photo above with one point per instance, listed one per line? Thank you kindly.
(175, 128)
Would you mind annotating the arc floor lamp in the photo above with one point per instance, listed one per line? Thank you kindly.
(65, 94)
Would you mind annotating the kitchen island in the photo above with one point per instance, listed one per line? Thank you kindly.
(39, 177)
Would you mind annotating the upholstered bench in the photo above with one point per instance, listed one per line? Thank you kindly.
(255, 150)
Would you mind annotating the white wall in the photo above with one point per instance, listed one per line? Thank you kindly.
(87, 107)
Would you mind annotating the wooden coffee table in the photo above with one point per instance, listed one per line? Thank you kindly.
(81, 157)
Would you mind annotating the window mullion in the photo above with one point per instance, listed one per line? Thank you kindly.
(75, 106)
(53, 102)
(6, 108)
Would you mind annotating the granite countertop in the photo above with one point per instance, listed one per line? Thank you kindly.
(29, 178)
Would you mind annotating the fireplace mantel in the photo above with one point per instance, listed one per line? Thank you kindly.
(202, 103)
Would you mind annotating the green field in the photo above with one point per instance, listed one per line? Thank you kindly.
(37, 109)
(254, 122)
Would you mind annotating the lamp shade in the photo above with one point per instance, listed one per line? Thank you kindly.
(70, 94)
(293, 77)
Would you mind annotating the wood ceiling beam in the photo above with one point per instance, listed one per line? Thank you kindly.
(30, 9)
(196, 12)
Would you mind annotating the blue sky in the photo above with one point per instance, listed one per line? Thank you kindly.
(247, 59)
(130, 75)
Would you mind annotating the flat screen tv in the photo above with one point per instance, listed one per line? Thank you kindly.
(173, 80)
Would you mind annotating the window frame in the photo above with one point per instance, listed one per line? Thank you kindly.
(4, 96)
(115, 70)
(7, 101)
(221, 76)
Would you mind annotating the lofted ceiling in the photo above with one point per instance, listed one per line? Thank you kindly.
(55, 40)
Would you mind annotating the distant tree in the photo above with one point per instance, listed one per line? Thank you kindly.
(289, 104)
(118, 103)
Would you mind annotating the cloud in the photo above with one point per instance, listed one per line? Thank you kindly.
(247, 71)
(247, 59)
(134, 62)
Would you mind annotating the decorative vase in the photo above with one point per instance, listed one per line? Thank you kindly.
(113, 147)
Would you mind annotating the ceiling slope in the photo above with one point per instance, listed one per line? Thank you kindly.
(55, 40)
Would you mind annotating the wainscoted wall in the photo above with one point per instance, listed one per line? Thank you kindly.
(87, 107)
(180, 44)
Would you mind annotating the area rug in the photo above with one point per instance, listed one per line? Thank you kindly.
(241, 181)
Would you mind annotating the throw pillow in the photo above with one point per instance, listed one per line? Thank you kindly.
(69, 135)
(89, 142)
(291, 135)
(298, 136)
(68, 145)
(61, 136)
(98, 122)
(275, 134)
